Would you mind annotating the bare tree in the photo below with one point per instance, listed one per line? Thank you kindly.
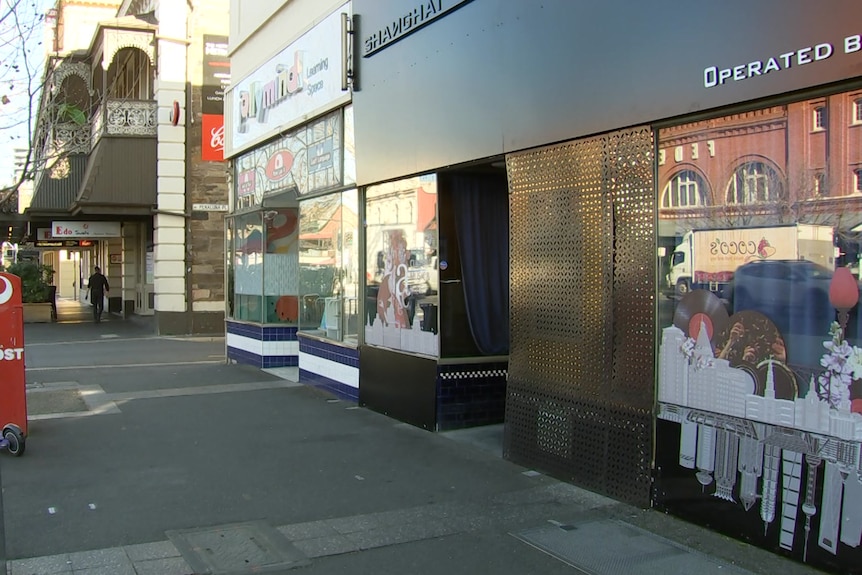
(21, 60)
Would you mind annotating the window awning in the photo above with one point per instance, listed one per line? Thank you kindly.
(120, 178)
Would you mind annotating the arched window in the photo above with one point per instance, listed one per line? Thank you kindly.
(752, 183)
(685, 190)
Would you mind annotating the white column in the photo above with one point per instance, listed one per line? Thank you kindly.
(170, 224)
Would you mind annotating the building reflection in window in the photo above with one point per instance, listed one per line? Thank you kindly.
(329, 266)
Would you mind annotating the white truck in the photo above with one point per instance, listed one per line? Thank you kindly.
(707, 259)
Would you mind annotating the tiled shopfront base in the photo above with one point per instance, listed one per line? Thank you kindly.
(470, 395)
(262, 346)
(331, 367)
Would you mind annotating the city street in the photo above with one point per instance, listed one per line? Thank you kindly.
(145, 450)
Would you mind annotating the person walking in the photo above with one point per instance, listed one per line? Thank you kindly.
(97, 287)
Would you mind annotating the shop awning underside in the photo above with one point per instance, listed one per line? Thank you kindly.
(120, 178)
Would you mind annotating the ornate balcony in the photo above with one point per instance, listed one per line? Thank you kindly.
(124, 118)
(63, 140)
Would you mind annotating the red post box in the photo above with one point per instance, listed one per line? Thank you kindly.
(13, 393)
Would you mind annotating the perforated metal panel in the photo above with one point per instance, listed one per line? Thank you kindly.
(582, 242)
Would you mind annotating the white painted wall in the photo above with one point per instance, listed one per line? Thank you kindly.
(79, 23)
(261, 29)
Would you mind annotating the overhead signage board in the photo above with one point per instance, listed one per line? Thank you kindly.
(298, 82)
(75, 230)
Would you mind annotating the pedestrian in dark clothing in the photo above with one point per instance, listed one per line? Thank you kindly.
(97, 287)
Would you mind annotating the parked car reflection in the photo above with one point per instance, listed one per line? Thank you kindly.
(794, 294)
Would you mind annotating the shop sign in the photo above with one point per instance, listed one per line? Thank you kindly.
(402, 25)
(212, 137)
(301, 79)
(278, 166)
(71, 230)
(719, 75)
(63, 243)
(44, 239)
(216, 79)
(246, 185)
(216, 71)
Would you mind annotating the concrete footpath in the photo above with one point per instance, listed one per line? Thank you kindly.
(149, 455)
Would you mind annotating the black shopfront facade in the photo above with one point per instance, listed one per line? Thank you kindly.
(602, 146)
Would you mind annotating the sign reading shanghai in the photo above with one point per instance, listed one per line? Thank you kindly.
(419, 15)
(299, 80)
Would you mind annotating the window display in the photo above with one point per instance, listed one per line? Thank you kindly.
(760, 366)
(401, 301)
(248, 267)
(329, 266)
(281, 266)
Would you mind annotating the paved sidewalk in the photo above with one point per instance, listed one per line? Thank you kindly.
(172, 469)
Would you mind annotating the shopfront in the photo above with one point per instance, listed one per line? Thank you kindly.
(293, 232)
(682, 192)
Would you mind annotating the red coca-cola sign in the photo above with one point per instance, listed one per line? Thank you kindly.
(278, 166)
(212, 138)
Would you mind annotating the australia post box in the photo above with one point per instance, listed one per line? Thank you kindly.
(13, 395)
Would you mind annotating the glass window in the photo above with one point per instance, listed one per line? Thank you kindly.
(248, 267)
(281, 266)
(329, 266)
(750, 333)
(229, 265)
(685, 190)
(820, 189)
(401, 301)
(754, 182)
(819, 119)
(749, 325)
(857, 111)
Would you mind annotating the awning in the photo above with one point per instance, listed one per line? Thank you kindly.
(120, 178)
(59, 185)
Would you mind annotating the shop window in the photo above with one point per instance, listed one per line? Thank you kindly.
(262, 271)
(329, 266)
(685, 190)
(754, 182)
(819, 118)
(248, 267)
(753, 340)
(401, 301)
(280, 265)
(229, 266)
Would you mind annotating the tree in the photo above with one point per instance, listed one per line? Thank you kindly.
(26, 69)
(21, 59)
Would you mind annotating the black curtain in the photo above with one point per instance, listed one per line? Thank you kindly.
(481, 205)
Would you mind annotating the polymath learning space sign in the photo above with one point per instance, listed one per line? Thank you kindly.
(303, 78)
